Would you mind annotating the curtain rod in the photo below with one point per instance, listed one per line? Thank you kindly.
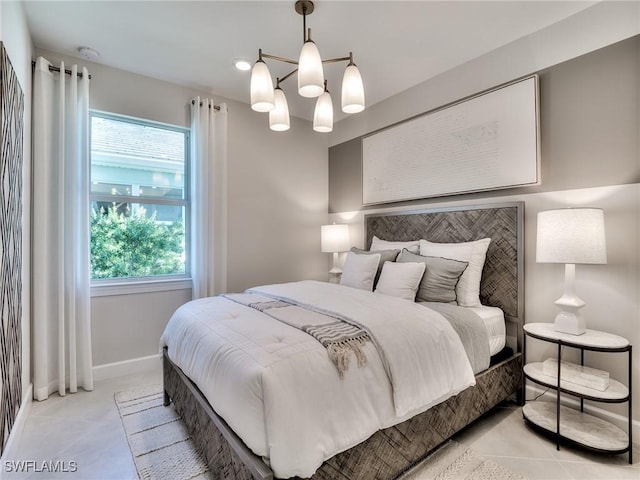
(68, 72)
(57, 69)
(215, 107)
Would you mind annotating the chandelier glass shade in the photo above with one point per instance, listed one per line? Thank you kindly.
(262, 95)
(279, 116)
(352, 90)
(323, 114)
(310, 72)
(311, 83)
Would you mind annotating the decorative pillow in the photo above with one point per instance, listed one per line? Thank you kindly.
(378, 244)
(359, 271)
(400, 279)
(385, 256)
(468, 288)
(440, 277)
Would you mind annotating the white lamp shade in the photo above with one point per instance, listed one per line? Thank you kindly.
(323, 114)
(262, 97)
(310, 73)
(352, 90)
(571, 235)
(334, 238)
(279, 116)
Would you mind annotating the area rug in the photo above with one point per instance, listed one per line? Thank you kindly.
(453, 461)
(162, 447)
(160, 444)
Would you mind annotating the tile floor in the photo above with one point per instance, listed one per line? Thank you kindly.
(85, 428)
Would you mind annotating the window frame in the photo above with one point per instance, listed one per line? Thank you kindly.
(128, 285)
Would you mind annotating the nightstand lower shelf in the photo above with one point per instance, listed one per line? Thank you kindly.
(577, 427)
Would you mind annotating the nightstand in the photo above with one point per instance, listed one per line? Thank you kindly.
(569, 424)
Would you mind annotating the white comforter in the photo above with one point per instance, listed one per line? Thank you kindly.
(277, 389)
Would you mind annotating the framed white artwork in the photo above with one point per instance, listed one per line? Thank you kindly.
(488, 141)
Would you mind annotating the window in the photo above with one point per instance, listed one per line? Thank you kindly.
(139, 198)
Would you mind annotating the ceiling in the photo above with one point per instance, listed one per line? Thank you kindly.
(396, 44)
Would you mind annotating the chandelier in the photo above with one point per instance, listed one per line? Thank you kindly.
(311, 83)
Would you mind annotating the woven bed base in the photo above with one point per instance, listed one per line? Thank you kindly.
(383, 456)
(390, 452)
(206, 431)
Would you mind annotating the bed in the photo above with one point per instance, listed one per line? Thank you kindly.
(389, 451)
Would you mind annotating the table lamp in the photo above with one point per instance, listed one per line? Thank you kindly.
(334, 239)
(571, 236)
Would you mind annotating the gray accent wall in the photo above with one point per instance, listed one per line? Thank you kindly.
(590, 156)
(589, 109)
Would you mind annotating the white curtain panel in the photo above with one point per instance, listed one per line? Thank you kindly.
(209, 198)
(61, 270)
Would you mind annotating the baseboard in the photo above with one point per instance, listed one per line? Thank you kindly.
(11, 447)
(127, 367)
(620, 421)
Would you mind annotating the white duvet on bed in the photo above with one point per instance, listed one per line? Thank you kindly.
(493, 319)
(277, 389)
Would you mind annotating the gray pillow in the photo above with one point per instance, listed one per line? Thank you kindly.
(440, 277)
(385, 256)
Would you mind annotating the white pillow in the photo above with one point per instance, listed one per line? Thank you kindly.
(468, 288)
(400, 279)
(359, 271)
(379, 244)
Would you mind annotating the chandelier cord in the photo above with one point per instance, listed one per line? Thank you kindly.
(304, 23)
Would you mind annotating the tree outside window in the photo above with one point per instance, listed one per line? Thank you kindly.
(139, 198)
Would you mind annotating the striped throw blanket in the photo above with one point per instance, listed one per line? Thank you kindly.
(340, 337)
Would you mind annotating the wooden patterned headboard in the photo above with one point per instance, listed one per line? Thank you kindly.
(502, 283)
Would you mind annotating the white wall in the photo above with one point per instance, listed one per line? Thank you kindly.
(15, 35)
(277, 200)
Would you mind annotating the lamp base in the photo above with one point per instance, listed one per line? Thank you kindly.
(334, 277)
(572, 323)
(570, 319)
(335, 267)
